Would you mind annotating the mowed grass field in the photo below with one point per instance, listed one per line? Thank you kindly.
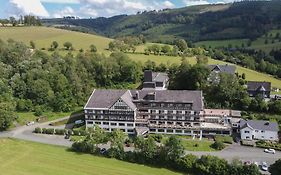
(44, 36)
(29, 158)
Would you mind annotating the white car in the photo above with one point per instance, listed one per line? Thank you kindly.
(271, 151)
(264, 166)
(30, 123)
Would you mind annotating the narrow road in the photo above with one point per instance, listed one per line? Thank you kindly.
(26, 133)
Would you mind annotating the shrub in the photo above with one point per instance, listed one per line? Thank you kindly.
(44, 130)
(224, 139)
(38, 111)
(157, 137)
(76, 132)
(38, 130)
(60, 131)
(50, 131)
(218, 145)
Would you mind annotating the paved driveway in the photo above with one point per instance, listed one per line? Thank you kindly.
(26, 133)
(243, 153)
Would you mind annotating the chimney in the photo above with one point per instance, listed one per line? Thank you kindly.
(147, 76)
(137, 95)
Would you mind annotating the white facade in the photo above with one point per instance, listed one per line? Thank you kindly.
(249, 133)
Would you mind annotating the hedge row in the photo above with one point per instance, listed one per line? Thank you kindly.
(75, 132)
(268, 145)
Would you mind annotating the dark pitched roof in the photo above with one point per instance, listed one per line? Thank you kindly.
(230, 69)
(105, 98)
(150, 76)
(159, 76)
(258, 86)
(181, 96)
(259, 125)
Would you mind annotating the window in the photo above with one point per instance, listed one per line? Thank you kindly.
(170, 131)
(152, 130)
(113, 124)
(98, 123)
(90, 122)
(105, 123)
(246, 132)
(160, 130)
(178, 131)
(130, 130)
(121, 124)
(130, 125)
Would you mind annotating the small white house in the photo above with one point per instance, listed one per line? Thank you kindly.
(259, 130)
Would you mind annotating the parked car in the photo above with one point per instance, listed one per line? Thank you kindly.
(248, 162)
(78, 122)
(103, 151)
(270, 151)
(264, 166)
(67, 136)
(30, 123)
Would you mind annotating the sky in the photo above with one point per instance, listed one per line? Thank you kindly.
(90, 8)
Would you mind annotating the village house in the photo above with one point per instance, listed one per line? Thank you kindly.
(259, 130)
(216, 70)
(262, 88)
(155, 80)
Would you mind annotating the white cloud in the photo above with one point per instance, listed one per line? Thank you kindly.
(168, 4)
(116, 7)
(195, 2)
(61, 1)
(67, 11)
(23, 7)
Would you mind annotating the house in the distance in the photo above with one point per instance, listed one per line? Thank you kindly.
(259, 130)
(216, 70)
(255, 88)
(155, 80)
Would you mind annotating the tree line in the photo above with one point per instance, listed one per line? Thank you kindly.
(31, 80)
(27, 20)
(149, 151)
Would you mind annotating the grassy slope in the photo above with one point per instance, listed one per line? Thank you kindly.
(43, 37)
(28, 158)
(258, 44)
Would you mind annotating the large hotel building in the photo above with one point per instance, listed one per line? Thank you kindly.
(157, 110)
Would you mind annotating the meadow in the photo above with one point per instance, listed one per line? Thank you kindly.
(28, 158)
(258, 44)
(44, 36)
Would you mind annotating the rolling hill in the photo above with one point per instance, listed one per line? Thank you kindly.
(239, 20)
(43, 37)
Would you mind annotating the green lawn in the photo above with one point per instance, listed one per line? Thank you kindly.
(198, 145)
(24, 117)
(28, 158)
